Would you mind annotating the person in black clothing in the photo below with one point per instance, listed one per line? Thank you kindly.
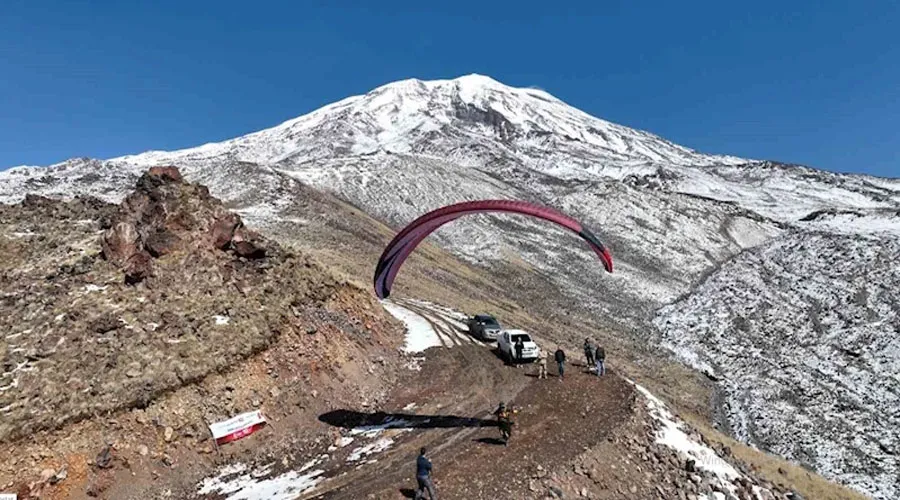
(423, 477)
(560, 361)
(589, 353)
(519, 345)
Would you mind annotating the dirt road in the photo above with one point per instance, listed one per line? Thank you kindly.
(455, 394)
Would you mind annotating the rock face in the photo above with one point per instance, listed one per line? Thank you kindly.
(164, 215)
(81, 339)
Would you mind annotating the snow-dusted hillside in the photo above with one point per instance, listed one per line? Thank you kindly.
(671, 216)
(804, 335)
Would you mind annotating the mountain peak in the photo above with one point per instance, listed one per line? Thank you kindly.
(462, 117)
(478, 80)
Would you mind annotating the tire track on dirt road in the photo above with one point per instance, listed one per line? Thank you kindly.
(443, 326)
(442, 394)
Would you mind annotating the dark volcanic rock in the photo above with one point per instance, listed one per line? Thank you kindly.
(223, 229)
(138, 268)
(162, 243)
(166, 215)
(170, 173)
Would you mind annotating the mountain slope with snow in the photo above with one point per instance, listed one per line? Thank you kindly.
(673, 217)
(804, 334)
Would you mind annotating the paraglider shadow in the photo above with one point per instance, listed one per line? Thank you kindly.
(487, 440)
(349, 419)
(408, 492)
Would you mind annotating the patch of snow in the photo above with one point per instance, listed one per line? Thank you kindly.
(859, 223)
(312, 463)
(672, 434)
(251, 486)
(413, 363)
(94, 288)
(370, 449)
(419, 333)
(221, 320)
(370, 431)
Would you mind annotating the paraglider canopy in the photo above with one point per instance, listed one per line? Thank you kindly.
(410, 236)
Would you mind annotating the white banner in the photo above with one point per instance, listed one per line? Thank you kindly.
(237, 427)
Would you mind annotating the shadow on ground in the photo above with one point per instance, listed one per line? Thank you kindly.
(494, 441)
(349, 419)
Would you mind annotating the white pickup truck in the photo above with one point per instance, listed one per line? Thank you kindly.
(506, 342)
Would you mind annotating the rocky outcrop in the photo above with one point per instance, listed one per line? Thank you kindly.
(80, 339)
(166, 215)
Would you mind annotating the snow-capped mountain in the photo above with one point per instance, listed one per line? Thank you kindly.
(678, 222)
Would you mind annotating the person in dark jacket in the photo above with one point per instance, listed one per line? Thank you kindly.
(519, 346)
(589, 353)
(504, 422)
(560, 357)
(600, 357)
(423, 477)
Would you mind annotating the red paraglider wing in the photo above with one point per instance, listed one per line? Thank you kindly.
(409, 237)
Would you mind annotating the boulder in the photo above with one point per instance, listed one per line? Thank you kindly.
(169, 173)
(120, 242)
(162, 243)
(138, 268)
(223, 229)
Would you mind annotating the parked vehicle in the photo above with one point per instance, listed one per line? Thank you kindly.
(506, 343)
(484, 327)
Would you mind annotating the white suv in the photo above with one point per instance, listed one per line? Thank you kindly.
(506, 342)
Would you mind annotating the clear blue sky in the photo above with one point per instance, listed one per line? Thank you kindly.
(791, 81)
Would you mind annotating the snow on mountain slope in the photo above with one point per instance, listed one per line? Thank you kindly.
(657, 264)
(786, 192)
(671, 216)
(405, 117)
(804, 334)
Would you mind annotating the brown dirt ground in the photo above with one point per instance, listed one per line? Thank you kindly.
(557, 420)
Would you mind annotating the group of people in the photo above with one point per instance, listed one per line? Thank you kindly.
(595, 356)
(424, 467)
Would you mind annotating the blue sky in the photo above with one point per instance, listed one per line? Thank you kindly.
(790, 81)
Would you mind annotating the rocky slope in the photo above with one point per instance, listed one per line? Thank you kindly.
(804, 336)
(105, 308)
(672, 216)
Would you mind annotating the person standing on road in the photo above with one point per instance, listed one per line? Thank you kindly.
(520, 346)
(589, 353)
(423, 477)
(560, 361)
(542, 365)
(600, 357)
(504, 422)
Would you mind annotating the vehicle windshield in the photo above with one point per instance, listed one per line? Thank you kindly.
(487, 320)
(523, 336)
